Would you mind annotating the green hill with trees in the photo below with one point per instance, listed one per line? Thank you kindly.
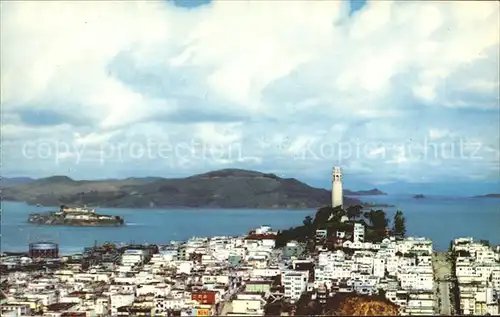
(333, 219)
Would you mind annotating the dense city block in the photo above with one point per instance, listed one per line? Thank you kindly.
(250, 275)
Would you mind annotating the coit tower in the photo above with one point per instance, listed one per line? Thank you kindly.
(337, 187)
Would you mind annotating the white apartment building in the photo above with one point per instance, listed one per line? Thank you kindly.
(163, 304)
(413, 280)
(478, 277)
(248, 304)
(334, 270)
(359, 233)
(420, 304)
(119, 300)
(379, 267)
(414, 245)
(102, 305)
(133, 257)
(295, 283)
(326, 257)
(495, 279)
(264, 230)
(485, 256)
(391, 265)
(266, 272)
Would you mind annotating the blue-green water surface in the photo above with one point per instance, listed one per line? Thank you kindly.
(439, 218)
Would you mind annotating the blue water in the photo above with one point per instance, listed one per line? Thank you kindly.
(439, 218)
(147, 225)
(443, 218)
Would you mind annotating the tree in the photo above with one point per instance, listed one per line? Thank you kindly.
(328, 214)
(354, 212)
(378, 220)
(381, 293)
(399, 227)
(307, 221)
(366, 215)
(325, 218)
(485, 242)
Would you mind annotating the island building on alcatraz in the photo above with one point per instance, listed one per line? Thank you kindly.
(337, 194)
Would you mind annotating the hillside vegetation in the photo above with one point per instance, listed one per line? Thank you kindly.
(375, 221)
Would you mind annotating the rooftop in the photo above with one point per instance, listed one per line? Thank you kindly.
(60, 306)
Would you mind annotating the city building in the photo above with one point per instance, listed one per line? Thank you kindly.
(244, 275)
(358, 233)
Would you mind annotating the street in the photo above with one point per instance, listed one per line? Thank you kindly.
(442, 271)
(226, 308)
(225, 304)
(444, 296)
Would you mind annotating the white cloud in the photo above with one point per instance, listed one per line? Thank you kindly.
(300, 145)
(437, 133)
(218, 134)
(231, 71)
(93, 138)
(377, 152)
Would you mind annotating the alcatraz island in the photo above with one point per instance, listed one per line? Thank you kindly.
(75, 216)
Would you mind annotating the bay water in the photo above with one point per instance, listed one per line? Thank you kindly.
(437, 217)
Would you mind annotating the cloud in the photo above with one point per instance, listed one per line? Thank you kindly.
(437, 133)
(293, 88)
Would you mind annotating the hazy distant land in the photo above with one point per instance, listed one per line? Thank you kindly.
(227, 188)
(371, 192)
(488, 196)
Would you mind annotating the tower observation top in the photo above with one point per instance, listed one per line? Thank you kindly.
(337, 192)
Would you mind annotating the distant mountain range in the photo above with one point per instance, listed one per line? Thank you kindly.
(442, 188)
(488, 196)
(371, 192)
(15, 180)
(227, 188)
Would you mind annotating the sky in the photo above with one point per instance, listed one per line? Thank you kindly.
(391, 91)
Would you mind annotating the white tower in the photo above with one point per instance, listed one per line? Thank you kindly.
(337, 187)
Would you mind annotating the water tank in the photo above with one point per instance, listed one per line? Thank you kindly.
(45, 250)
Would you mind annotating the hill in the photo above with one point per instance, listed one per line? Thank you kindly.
(227, 188)
(488, 196)
(375, 221)
(371, 192)
(5, 181)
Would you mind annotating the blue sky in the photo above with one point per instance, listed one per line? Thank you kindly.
(354, 5)
(392, 91)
